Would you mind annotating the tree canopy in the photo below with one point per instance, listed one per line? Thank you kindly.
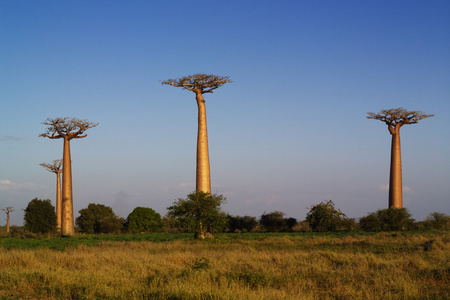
(199, 213)
(143, 219)
(324, 217)
(69, 128)
(54, 167)
(198, 83)
(40, 216)
(98, 218)
(398, 116)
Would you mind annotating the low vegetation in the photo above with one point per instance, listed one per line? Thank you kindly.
(401, 265)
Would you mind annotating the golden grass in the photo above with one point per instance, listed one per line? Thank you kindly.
(383, 266)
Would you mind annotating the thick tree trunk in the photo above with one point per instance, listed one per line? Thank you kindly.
(67, 226)
(203, 179)
(58, 202)
(395, 182)
(7, 222)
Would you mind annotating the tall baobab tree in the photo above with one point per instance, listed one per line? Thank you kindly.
(67, 129)
(7, 210)
(55, 167)
(396, 118)
(200, 84)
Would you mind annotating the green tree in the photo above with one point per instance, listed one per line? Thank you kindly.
(40, 216)
(199, 213)
(438, 221)
(389, 219)
(143, 219)
(324, 217)
(98, 218)
(273, 221)
(241, 224)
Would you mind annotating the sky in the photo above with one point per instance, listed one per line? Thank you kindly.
(289, 132)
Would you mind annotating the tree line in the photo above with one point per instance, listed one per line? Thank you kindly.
(198, 215)
(68, 129)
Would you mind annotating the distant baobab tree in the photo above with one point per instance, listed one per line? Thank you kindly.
(55, 167)
(7, 210)
(200, 84)
(67, 129)
(396, 118)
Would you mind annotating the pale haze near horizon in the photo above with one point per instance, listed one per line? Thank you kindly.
(290, 131)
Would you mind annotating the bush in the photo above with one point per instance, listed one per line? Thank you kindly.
(241, 224)
(438, 221)
(40, 216)
(389, 219)
(199, 213)
(273, 221)
(143, 219)
(324, 217)
(98, 218)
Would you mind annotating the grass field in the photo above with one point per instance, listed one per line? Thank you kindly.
(231, 266)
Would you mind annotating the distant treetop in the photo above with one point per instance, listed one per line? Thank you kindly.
(202, 83)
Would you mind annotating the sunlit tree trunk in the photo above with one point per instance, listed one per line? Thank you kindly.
(7, 222)
(395, 181)
(67, 226)
(203, 179)
(58, 202)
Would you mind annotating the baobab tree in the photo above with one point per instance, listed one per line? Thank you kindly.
(7, 210)
(396, 118)
(55, 167)
(200, 84)
(67, 129)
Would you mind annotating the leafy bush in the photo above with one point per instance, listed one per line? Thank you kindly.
(241, 224)
(324, 217)
(143, 219)
(40, 216)
(98, 218)
(438, 221)
(199, 213)
(275, 222)
(389, 219)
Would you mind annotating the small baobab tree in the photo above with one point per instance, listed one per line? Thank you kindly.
(396, 118)
(7, 210)
(200, 84)
(67, 129)
(55, 167)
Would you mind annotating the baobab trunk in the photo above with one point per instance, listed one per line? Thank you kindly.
(58, 202)
(67, 226)
(395, 181)
(203, 179)
(7, 222)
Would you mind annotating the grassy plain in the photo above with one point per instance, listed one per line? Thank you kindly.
(231, 266)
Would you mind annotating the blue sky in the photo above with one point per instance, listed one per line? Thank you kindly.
(289, 131)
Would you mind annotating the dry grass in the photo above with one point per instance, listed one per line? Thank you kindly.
(383, 266)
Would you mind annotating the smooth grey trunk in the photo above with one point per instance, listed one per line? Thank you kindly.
(67, 226)
(203, 175)
(395, 180)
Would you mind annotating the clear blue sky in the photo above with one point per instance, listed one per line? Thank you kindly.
(289, 132)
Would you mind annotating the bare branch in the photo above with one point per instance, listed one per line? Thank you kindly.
(8, 209)
(399, 116)
(66, 128)
(201, 82)
(54, 167)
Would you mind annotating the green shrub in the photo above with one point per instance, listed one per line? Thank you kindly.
(389, 219)
(98, 218)
(40, 216)
(143, 219)
(199, 213)
(438, 221)
(324, 217)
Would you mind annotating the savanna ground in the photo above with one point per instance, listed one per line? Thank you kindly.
(405, 265)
